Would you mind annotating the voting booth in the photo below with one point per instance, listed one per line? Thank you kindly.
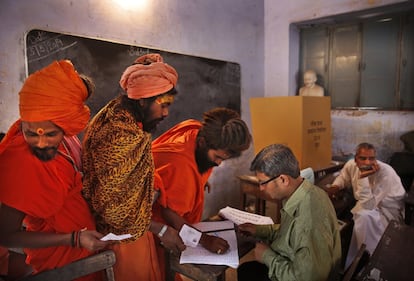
(300, 122)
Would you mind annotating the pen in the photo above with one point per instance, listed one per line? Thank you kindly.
(218, 230)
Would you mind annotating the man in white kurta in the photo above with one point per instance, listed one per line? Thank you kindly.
(379, 195)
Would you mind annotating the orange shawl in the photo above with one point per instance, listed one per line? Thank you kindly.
(49, 193)
(183, 185)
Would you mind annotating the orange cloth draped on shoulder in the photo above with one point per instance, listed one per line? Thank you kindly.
(4, 261)
(174, 160)
(183, 185)
(49, 193)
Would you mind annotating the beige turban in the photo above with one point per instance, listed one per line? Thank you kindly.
(148, 77)
(55, 93)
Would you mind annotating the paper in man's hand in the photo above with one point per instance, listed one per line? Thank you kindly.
(115, 237)
(190, 236)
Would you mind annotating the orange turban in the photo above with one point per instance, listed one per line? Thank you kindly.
(55, 93)
(148, 77)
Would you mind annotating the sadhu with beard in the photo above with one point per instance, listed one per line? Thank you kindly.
(119, 168)
(40, 172)
(184, 158)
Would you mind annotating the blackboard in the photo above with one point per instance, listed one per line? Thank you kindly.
(202, 84)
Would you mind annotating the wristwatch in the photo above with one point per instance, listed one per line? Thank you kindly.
(162, 231)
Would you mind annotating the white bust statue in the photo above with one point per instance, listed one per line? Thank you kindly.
(310, 88)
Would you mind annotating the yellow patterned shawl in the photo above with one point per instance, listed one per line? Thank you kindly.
(118, 172)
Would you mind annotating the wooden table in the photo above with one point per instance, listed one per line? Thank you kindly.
(205, 272)
(393, 256)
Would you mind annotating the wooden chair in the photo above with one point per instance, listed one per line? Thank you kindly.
(359, 261)
(102, 261)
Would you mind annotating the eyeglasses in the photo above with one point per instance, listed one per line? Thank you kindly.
(269, 180)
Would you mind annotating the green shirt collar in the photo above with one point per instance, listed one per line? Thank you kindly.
(290, 205)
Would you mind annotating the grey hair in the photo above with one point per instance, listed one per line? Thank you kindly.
(274, 160)
(364, 145)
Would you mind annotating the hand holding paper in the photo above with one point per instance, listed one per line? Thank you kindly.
(239, 217)
(190, 236)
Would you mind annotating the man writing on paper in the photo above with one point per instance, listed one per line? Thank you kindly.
(184, 157)
(306, 245)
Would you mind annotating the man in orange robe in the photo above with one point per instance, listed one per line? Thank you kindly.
(184, 157)
(119, 170)
(40, 172)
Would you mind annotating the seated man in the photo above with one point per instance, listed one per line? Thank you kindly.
(184, 158)
(379, 195)
(306, 245)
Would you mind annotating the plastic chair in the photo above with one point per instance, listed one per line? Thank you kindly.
(102, 261)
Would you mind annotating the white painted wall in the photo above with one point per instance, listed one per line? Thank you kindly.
(254, 33)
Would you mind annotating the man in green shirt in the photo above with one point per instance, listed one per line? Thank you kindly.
(306, 245)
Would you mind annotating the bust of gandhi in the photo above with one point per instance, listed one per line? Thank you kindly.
(310, 88)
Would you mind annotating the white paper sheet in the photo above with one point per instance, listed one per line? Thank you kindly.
(115, 237)
(239, 217)
(199, 255)
(190, 236)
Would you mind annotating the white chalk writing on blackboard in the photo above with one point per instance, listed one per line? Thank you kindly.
(41, 46)
(134, 51)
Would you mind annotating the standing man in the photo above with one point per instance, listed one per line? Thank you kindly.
(184, 157)
(119, 168)
(306, 245)
(378, 192)
(40, 172)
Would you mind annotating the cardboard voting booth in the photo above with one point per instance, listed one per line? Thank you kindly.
(302, 123)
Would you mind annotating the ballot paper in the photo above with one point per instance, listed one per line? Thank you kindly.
(115, 237)
(238, 217)
(200, 255)
(190, 236)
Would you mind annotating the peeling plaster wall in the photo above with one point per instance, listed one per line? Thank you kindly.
(381, 128)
